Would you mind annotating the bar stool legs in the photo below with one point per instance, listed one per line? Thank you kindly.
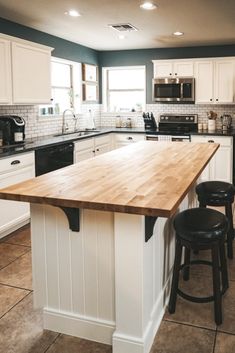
(230, 235)
(175, 278)
(219, 274)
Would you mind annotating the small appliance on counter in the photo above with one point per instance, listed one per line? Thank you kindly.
(13, 129)
(149, 121)
(226, 121)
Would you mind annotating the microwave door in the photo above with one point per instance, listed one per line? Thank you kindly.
(166, 92)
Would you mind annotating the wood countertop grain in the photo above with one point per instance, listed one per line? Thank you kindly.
(146, 178)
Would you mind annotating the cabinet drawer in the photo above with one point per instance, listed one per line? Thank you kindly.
(16, 161)
(102, 140)
(84, 145)
(129, 137)
(222, 140)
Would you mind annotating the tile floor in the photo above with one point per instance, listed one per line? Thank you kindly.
(190, 330)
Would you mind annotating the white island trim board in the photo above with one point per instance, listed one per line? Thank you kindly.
(105, 282)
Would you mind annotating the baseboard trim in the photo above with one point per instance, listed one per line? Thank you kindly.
(79, 326)
(13, 226)
(128, 344)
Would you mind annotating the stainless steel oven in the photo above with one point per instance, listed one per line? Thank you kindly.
(169, 138)
(173, 128)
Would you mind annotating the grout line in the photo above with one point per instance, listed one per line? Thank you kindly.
(17, 258)
(59, 334)
(1, 317)
(191, 325)
(9, 285)
(214, 344)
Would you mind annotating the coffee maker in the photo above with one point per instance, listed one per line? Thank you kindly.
(13, 129)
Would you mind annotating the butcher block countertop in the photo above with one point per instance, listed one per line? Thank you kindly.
(146, 178)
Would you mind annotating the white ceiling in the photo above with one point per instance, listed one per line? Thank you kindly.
(204, 22)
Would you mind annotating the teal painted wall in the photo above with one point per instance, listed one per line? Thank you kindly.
(72, 51)
(62, 48)
(145, 57)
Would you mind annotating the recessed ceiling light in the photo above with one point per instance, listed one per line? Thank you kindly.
(72, 13)
(147, 5)
(177, 33)
(121, 36)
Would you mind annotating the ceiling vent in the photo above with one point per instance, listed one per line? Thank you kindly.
(123, 27)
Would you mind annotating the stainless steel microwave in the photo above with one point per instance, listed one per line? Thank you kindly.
(174, 90)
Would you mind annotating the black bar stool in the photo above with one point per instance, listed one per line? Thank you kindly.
(201, 229)
(219, 193)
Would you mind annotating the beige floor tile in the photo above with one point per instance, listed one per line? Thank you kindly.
(18, 273)
(224, 343)
(9, 253)
(196, 314)
(177, 338)
(10, 296)
(228, 324)
(69, 344)
(22, 332)
(20, 237)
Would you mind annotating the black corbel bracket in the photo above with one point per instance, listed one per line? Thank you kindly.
(73, 216)
(149, 225)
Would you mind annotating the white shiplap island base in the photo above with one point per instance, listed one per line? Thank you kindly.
(105, 282)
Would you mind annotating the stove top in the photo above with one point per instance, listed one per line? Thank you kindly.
(177, 124)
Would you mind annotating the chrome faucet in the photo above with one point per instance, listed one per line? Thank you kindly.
(65, 125)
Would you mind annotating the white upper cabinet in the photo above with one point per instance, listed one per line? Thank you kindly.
(215, 81)
(25, 72)
(204, 81)
(5, 72)
(31, 76)
(173, 68)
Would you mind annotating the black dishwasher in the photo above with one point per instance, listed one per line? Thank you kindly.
(54, 157)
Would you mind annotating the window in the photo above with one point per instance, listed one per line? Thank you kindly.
(124, 89)
(65, 87)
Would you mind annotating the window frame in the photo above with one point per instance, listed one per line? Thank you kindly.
(75, 86)
(106, 90)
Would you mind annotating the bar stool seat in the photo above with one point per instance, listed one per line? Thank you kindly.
(219, 193)
(201, 229)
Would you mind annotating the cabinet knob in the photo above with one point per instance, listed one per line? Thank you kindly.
(16, 161)
(170, 74)
(97, 149)
(217, 99)
(211, 99)
(211, 141)
(129, 138)
(93, 151)
(175, 73)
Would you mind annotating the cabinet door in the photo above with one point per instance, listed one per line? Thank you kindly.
(204, 81)
(163, 69)
(5, 72)
(83, 150)
(14, 213)
(31, 74)
(183, 69)
(224, 81)
(221, 165)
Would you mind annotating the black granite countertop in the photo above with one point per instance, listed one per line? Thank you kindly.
(51, 140)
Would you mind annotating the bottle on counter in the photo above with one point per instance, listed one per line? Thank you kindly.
(128, 122)
(118, 121)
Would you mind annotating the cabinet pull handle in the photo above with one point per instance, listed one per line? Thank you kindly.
(129, 138)
(16, 161)
(211, 141)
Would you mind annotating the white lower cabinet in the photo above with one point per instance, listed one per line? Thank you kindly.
(221, 165)
(124, 139)
(13, 170)
(91, 147)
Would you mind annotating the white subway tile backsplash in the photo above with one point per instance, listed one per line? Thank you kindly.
(37, 126)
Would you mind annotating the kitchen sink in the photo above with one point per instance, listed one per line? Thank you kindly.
(78, 132)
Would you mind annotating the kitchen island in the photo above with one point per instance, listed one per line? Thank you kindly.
(103, 243)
